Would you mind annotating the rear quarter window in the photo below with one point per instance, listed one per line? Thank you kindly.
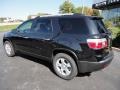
(73, 26)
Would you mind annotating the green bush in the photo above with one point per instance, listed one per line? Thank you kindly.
(108, 24)
(116, 41)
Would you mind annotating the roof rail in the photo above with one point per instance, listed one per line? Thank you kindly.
(57, 15)
(61, 15)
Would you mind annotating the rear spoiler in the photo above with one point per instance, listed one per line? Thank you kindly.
(96, 18)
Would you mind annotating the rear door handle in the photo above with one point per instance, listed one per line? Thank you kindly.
(26, 37)
(47, 39)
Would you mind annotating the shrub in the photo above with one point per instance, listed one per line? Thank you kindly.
(108, 24)
(116, 41)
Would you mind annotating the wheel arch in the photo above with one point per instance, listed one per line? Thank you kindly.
(66, 51)
(6, 39)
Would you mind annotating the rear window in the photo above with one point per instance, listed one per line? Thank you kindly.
(73, 26)
(99, 25)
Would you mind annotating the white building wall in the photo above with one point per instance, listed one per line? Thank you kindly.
(97, 1)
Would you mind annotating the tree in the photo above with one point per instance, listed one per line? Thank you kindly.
(42, 14)
(2, 19)
(88, 11)
(96, 12)
(67, 7)
(78, 10)
(108, 24)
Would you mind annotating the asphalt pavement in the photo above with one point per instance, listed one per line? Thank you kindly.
(28, 73)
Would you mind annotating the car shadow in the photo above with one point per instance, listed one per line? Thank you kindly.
(47, 64)
(37, 60)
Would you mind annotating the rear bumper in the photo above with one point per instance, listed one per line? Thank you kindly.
(86, 66)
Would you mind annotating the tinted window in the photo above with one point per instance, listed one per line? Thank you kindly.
(73, 26)
(26, 26)
(43, 26)
(99, 25)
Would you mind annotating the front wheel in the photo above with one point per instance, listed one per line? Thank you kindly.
(9, 49)
(64, 66)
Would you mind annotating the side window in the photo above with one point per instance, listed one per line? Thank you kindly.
(43, 26)
(73, 26)
(25, 27)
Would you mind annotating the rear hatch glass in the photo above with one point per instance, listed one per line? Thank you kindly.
(98, 25)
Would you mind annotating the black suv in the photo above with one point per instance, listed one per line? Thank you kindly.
(72, 43)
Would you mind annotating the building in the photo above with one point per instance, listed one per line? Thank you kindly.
(9, 20)
(110, 9)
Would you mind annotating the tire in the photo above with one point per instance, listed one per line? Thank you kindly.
(64, 66)
(9, 49)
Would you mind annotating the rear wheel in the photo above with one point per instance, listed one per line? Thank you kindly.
(64, 66)
(9, 49)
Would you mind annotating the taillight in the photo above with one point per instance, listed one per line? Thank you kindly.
(97, 43)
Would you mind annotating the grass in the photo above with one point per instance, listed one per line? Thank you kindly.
(115, 31)
(8, 27)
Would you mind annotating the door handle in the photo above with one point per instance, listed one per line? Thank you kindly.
(47, 39)
(26, 37)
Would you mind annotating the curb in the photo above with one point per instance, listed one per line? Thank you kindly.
(116, 49)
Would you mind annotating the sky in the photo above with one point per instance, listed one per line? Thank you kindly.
(20, 9)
